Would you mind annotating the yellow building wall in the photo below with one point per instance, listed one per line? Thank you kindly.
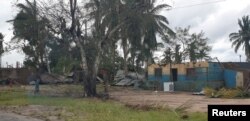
(165, 70)
(197, 64)
(151, 69)
(182, 68)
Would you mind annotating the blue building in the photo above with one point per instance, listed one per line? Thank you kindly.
(195, 76)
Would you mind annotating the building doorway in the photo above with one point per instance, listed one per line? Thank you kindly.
(174, 74)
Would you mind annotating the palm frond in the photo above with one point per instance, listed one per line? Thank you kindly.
(158, 8)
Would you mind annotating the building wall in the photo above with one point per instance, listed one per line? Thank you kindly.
(18, 74)
(239, 79)
(215, 72)
(151, 69)
(233, 78)
(230, 78)
(206, 74)
(246, 78)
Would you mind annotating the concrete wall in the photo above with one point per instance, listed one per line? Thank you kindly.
(233, 78)
(240, 79)
(206, 74)
(20, 75)
(151, 69)
(196, 85)
(215, 72)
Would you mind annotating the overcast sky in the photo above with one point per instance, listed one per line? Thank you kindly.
(217, 18)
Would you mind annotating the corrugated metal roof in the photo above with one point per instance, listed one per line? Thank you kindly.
(237, 65)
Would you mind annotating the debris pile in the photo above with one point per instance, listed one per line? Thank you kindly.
(131, 79)
(47, 78)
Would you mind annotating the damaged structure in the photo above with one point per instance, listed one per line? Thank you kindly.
(19, 75)
(132, 78)
(194, 76)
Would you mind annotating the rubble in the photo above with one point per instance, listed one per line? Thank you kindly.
(131, 79)
(47, 78)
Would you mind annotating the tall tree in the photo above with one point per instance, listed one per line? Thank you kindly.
(194, 46)
(242, 37)
(198, 47)
(177, 54)
(167, 56)
(30, 32)
(68, 19)
(143, 25)
(1, 48)
(103, 29)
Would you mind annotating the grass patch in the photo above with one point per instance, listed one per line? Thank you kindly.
(78, 109)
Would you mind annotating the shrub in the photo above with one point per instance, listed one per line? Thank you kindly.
(228, 93)
(209, 92)
(225, 93)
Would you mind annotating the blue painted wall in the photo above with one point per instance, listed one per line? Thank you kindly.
(212, 76)
(215, 72)
(164, 78)
(230, 78)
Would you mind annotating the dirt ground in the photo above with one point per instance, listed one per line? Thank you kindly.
(15, 117)
(174, 100)
(125, 95)
(31, 113)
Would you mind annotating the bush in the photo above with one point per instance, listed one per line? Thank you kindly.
(225, 93)
(228, 93)
(209, 92)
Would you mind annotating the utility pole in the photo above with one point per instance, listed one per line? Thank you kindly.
(240, 58)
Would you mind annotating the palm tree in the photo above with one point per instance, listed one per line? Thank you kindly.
(142, 26)
(105, 27)
(29, 27)
(242, 37)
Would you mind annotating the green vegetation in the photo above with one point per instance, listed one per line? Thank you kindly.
(187, 45)
(93, 109)
(242, 36)
(225, 93)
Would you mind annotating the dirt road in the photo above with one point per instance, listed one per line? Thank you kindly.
(195, 103)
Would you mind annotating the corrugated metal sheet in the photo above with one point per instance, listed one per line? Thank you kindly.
(230, 78)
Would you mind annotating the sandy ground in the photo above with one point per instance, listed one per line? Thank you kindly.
(174, 100)
(15, 117)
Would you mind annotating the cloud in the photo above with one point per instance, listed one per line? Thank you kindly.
(223, 50)
(7, 12)
(181, 16)
(221, 24)
(217, 20)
